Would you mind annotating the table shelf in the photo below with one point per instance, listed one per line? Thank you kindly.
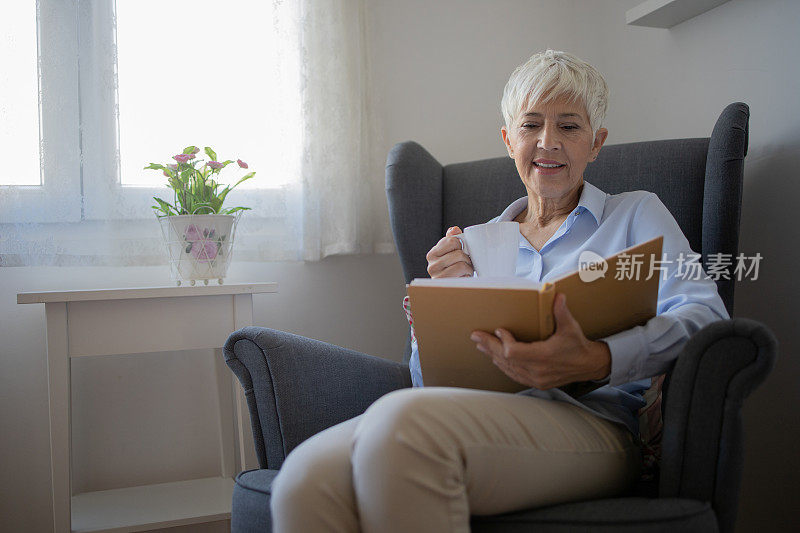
(153, 506)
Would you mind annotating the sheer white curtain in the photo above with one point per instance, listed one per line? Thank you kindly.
(329, 196)
(343, 181)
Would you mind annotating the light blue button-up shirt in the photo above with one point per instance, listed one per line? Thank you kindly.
(606, 224)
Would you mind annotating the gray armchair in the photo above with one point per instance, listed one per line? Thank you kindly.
(296, 387)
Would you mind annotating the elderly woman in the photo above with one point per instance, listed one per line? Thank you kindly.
(424, 459)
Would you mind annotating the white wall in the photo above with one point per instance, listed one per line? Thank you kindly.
(438, 70)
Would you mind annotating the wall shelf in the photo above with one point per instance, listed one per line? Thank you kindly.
(668, 13)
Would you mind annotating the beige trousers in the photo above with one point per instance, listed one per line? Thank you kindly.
(422, 460)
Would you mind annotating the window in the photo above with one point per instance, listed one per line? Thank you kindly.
(49, 196)
(120, 89)
(281, 85)
(186, 72)
(19, 95)
(192, 73)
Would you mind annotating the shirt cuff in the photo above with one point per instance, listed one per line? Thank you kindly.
(627, 348)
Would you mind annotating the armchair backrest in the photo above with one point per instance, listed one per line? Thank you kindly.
(699, 180)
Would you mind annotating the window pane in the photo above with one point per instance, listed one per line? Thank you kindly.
(204, 73)
(19, 94)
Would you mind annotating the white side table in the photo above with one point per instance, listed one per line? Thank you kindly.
(135, 321)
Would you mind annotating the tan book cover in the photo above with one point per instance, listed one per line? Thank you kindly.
(446, 312)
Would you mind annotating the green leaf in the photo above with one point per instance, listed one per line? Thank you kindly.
(163, 206)
(225, 192)
(244, 178)
(231, 210)
(216, 203)
(155, 166)
(189, 149)
(211, 153)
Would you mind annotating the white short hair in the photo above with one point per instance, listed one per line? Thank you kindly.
(549, 75)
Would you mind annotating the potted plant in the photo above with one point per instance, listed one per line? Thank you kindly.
(197, 230)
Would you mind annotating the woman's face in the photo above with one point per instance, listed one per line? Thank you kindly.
(552, 144)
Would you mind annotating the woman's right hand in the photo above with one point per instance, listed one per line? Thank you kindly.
(447, 259)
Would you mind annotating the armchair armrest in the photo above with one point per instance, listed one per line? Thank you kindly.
(703, 443)
(296, 387)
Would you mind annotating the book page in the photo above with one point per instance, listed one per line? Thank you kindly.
(478, 283)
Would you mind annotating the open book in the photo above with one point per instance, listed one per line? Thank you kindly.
(447, 310)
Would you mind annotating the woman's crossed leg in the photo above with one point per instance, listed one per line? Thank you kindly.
(425, 459)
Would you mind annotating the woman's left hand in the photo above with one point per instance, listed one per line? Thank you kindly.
(565, 357)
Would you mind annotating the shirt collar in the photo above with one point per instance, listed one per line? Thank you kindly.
(592, 199)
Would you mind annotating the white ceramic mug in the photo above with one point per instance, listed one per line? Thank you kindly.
(492, 248)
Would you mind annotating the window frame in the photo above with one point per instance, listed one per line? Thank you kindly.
(79, 131)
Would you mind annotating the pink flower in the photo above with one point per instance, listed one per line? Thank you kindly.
(204, 251)
(193, 233)
(201, 243)
(172, 166)
(215, 165)
(182, 158)
(241, 163)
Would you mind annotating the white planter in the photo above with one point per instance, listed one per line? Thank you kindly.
(199, 246)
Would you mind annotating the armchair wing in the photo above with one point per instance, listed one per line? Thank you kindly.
(414, 190)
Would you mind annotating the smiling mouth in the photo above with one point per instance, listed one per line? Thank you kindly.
(544, 165)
